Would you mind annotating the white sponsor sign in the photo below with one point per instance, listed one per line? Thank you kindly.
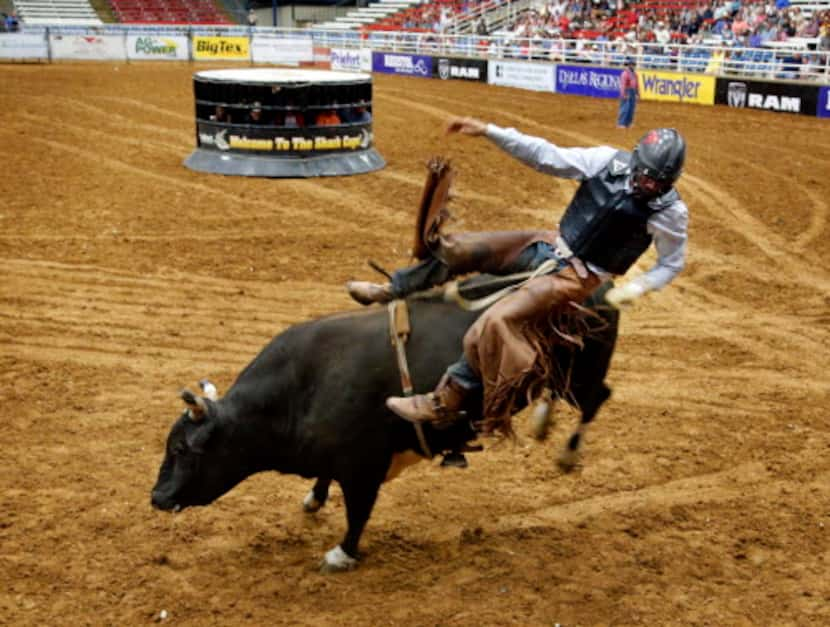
(535, 76)
(285, 51)
(22, 46)
(100, 47)
(351, 59)
(159, 47)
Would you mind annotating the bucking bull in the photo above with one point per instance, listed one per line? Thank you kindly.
(312, 403)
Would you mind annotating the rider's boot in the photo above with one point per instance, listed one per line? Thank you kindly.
(442, 405)
(367, 293)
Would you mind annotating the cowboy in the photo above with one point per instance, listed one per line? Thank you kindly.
(625, 202)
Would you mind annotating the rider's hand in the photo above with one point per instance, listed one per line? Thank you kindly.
(624, 295)
(467, 126)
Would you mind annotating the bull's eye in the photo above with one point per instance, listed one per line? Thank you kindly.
(179, 448)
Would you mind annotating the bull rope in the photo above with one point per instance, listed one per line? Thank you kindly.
(399, 331)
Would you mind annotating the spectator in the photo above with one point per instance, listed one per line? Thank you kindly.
(824, 38)
(328, 117)
(255, 114)
(253, 18)
(360, 115)
(293, 119)
(12, 25)
(220, 114)
(629, 91)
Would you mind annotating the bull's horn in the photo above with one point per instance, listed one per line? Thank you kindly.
(197, 407)
(209, 389)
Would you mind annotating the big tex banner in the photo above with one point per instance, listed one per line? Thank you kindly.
(229, 48)
(673, 87)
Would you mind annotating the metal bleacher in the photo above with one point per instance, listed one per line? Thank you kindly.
(366, 16)
(69, 12)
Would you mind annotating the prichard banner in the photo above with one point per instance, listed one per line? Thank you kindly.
(674, 87)
(779, 97)
(596, 82)
(298, 142)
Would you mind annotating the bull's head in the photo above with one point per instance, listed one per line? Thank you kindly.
(195, 470)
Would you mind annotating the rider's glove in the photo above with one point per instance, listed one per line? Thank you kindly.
(624, 295)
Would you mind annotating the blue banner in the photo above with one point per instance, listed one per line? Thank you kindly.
(405, 64)
(823, 109)
(588, 81)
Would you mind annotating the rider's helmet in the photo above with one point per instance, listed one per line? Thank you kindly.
(657, 161)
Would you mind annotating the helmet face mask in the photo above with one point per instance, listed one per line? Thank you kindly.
(657, 162)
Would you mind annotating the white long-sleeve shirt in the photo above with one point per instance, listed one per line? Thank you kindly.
(667, 226)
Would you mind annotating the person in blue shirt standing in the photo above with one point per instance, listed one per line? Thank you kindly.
(629, 91)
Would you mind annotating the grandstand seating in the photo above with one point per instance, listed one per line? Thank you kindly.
(70, 12)
(369, 15)
(168, 12)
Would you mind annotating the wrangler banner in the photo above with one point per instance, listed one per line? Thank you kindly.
(672, 87)
(221, 48)
(279, 141)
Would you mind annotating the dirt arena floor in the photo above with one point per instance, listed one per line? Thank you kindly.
(703, 496)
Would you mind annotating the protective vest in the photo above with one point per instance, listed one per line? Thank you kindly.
(605, 224)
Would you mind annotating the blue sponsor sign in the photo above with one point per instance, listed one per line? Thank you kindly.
(588, 81)
(406, 64)
(824, 103)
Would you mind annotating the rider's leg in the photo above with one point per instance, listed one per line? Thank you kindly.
(498, 352)
(499, 252)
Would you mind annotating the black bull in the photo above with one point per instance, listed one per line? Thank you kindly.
(312, 403)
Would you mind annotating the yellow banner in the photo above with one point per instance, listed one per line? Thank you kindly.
(221, 48)
(673, 87)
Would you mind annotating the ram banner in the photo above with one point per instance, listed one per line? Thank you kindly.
(767, 96)
(221, 48)
(596, 82)
(351, 59)
(448, 68)
(23, 46)
(157, 47)
(525, 75)
(89, 47)
(282, 50)
(823, 110)
(673, 87)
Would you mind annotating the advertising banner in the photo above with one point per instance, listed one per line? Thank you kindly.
(405, 64)
(535, 76)
(674, 87)
(447, 68)
(282, 50)
(98, 47)
(173, 47)
(22, 46)
(588, 81)
(823, 109)
(299, 142)
(220, 48)
(781, 97)
(351, 59)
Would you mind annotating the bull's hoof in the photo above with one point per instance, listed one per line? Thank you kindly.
(337, 561)
(568, 460)
(540, 420)
(311, 504)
